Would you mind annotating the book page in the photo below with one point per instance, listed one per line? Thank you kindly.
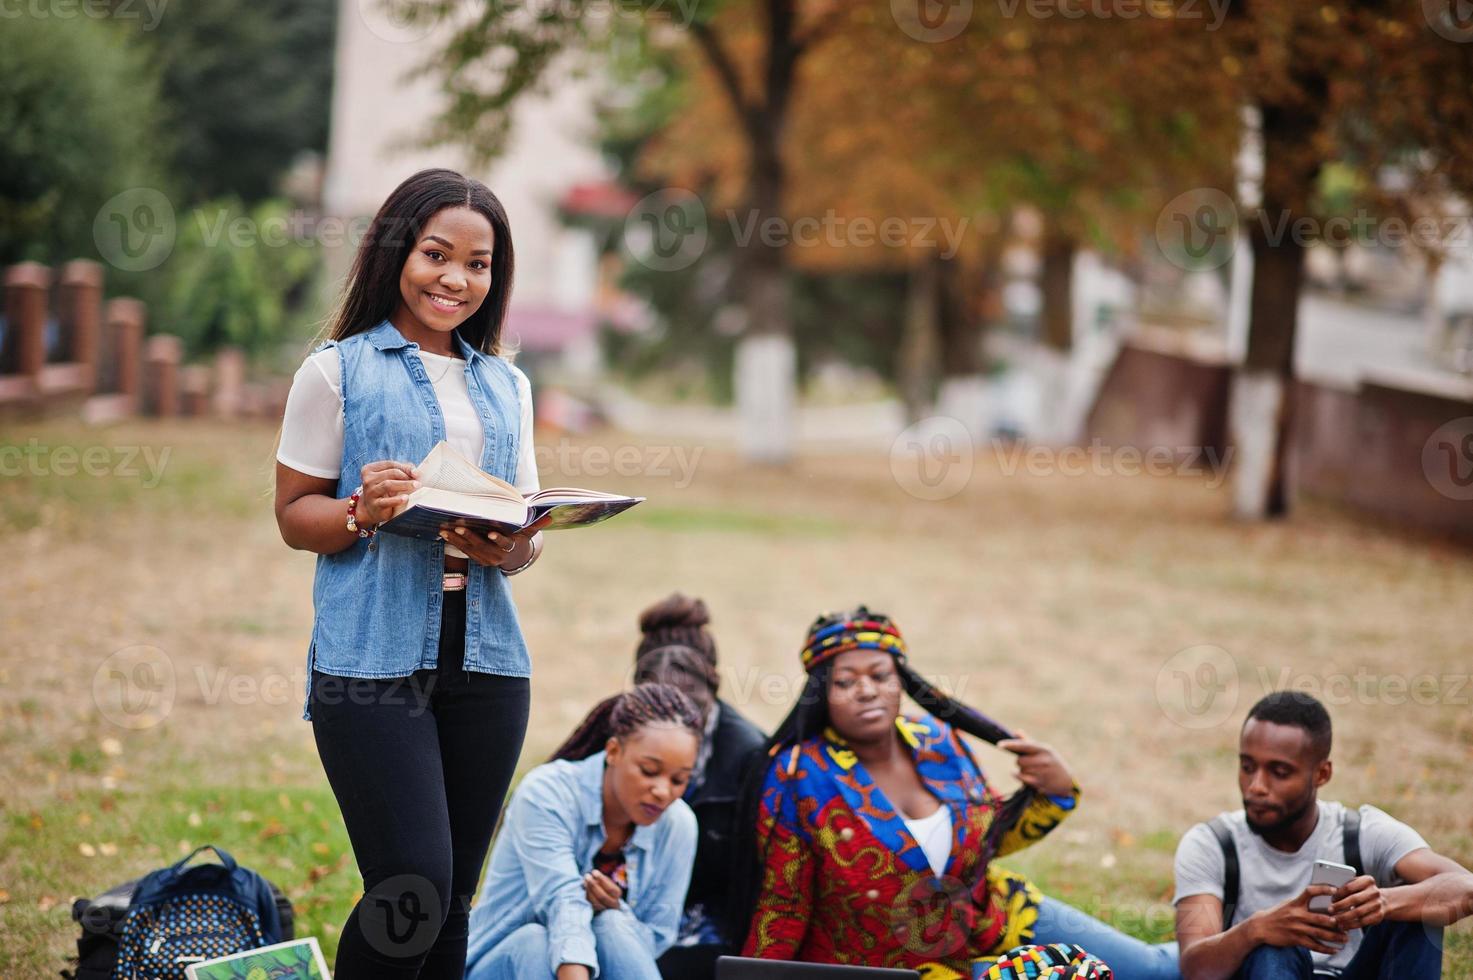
(555, 495)
(446, 469)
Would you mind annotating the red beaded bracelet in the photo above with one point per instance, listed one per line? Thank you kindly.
(353, 515)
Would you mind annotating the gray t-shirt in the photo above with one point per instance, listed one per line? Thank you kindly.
(1267, 876)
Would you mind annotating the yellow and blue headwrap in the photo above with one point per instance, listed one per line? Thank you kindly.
(861, 631)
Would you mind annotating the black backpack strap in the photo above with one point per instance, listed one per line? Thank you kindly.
(1351, 829)
(1224, 835)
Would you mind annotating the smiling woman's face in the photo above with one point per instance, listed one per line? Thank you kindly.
(864, 695)
(448, 272)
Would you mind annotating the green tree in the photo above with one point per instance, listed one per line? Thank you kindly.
(1370, 86)
(80, 120)
(233, 280)
(505, 50)
(248, 84)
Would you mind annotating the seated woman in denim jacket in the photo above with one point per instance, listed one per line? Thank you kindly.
(589, 872)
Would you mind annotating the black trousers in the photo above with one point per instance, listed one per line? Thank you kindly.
(420, 766)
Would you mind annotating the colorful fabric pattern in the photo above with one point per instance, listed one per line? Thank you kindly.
(863, 634)
(1058, 961)
(845, 882)
(614, 867)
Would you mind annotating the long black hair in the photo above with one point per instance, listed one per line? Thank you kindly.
(623, 714)
(372, 292)
(810, 717)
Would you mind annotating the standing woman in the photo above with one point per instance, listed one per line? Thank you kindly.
(417, 671)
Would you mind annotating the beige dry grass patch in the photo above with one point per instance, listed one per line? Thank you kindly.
(1050, 602)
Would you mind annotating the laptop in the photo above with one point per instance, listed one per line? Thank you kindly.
(737, 968)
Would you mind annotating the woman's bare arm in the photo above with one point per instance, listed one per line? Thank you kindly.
(312, 518)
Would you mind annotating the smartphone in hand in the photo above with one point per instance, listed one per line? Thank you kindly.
(1329, 873)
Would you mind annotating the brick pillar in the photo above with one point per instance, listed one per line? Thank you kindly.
(79, 308)
(230, 370)
(123, 324)
(26, 286)
(194, 390)
(161, 356)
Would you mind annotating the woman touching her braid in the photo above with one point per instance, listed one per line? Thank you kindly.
(875, 831)
(417, 671)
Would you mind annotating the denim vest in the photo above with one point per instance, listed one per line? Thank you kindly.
(377, 603)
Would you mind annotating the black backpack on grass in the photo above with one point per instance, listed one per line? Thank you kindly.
(207, 907)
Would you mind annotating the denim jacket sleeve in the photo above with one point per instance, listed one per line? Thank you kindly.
(543, 819)
(663, 901)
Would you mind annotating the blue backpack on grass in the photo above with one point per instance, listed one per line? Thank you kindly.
(181, 915)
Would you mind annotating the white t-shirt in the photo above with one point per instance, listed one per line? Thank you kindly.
(933, 833)
(312, 429)
(1268, 876)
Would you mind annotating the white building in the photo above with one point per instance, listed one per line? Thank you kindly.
(379, 114)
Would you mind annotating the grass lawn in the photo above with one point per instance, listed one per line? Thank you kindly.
(1058, 604)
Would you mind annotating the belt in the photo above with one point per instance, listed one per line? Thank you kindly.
(454, 581)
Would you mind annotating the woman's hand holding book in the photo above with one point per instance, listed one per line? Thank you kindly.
(387, 484)
(495, 549)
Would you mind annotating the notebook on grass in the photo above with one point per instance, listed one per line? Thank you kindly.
(298, 959)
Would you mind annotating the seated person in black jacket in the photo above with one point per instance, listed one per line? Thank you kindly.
(677, 649)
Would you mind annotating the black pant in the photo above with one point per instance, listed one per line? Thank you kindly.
(420, 766)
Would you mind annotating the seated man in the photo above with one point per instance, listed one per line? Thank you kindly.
(1386, 922)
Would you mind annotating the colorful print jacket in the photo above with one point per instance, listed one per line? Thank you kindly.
(844, 881)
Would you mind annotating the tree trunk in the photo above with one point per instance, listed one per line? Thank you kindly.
(960, 321)
(1262, 395)
(970, 297)
(920, 341)
(766, 372)
(1057, 286)
(767, 360)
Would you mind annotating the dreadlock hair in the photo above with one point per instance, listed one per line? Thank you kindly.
(676, 642)
(624, 714)
(810, 717)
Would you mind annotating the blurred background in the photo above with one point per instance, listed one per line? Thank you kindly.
(1122, 350)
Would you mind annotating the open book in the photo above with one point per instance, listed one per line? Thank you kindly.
(454, 492)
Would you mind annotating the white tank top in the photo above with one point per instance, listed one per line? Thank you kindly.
(933, 833)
